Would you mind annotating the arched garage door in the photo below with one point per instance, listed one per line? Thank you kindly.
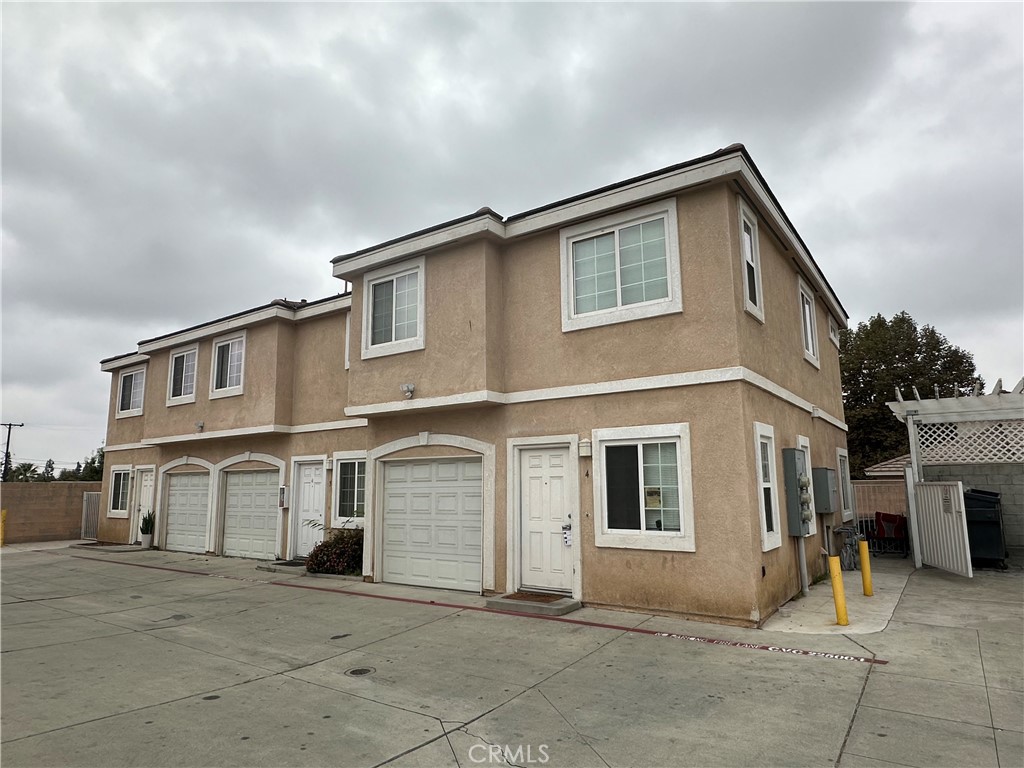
(250, 514)
(188, 507)
(433, 518)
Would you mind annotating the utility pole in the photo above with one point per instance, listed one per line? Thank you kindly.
(7, 451)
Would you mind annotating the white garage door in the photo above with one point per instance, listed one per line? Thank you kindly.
(433, 515)
(250, 514)
(187, 510)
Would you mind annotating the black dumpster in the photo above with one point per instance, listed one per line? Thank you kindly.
(984, 516)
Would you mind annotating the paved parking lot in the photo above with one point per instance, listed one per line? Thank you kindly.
(165, 659)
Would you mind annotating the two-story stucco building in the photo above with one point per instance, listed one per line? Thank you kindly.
(591, 397)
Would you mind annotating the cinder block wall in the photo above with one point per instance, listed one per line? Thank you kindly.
(1005, 479)
(43, 511)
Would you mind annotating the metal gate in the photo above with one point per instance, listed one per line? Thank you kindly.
(90, 515)
(939, 525)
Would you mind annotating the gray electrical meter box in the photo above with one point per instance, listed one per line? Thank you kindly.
(826, 490)
(796, 475)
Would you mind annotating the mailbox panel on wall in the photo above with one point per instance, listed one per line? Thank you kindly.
(795, 473)
(826, 490)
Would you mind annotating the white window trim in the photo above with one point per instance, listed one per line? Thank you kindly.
(122, 514)
(805, 290)
(226, 391)
(804, 444)
(747, 215)
(385, 274)
(182, 399)
(833, 331)
(348, 338)
(846, 494)
(674, 303)
(682, 541)
(118, 413)
(769, 540)
(337, 521)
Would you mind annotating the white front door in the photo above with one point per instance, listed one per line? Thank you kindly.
(545, 507)
(144, 504)
(308, 507)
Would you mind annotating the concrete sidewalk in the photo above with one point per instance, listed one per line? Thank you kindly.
(133, 658)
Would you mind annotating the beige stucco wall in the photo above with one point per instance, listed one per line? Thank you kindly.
(294, 373)
(781, 576)
(316, 367)
(775, 348)
(216, 450)
(714, 581)
(456, 332)
(539, 354)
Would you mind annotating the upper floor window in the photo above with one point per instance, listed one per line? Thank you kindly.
(753, 301)
(768, 488)
(833, 330)
(808, 324)
(621, 267)
(228, 368)
(131, 392)
(642, 487)
(393, 309)
(181, 378)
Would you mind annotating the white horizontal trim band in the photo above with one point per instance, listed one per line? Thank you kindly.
(665, 381)
(278, 429)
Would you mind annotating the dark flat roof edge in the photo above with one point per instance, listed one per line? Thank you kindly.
(732, 149)
(106, 360)
(717, 154)
(293, 305)
(482, 213)
(792, 226)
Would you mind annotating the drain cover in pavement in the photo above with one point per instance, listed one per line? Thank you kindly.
(360, 671)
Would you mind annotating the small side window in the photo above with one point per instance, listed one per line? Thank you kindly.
(808, 324)
(768, 488)
(753, 300)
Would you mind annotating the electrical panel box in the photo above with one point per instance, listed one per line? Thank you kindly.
(796, 476)
(826, 490)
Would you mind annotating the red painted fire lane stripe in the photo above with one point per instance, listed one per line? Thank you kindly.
(481, 609)
(598, 625)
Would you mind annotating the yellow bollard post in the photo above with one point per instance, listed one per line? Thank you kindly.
(837, 590)
(865, 566)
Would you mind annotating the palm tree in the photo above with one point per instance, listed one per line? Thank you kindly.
(26, 472)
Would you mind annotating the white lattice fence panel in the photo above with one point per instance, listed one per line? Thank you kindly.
(972, 442)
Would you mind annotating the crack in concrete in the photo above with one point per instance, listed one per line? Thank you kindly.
(575, 730)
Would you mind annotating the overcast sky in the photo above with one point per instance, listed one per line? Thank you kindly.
(166, 164)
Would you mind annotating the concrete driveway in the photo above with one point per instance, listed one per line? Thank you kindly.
(165, 659)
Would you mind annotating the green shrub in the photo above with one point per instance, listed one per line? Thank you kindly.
(341, 553)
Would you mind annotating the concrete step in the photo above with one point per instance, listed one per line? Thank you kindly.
(558, 607)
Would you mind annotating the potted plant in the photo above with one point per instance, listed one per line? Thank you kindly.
(146, 529)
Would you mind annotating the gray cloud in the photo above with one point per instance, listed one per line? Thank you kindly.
(168, 163)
